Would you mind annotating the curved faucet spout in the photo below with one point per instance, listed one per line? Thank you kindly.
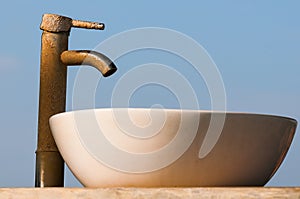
(87, 57)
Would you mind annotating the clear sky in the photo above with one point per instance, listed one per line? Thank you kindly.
(255, 44)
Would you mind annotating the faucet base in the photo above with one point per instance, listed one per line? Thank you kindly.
(49, 169)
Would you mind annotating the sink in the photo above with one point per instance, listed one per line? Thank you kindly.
(135, 147)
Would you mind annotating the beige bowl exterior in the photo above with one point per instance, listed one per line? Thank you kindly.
(248, 152)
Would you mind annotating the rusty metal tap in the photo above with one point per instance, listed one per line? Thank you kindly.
(55, 57)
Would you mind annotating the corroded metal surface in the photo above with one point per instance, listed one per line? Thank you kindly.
(92, 58)
(87, 25)
(51, 101)
(53, 74)
(57, 23)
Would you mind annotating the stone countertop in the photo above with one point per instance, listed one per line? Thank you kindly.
(145, 193)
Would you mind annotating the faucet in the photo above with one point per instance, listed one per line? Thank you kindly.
(55, 57)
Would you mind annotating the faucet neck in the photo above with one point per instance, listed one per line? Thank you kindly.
(53, 76)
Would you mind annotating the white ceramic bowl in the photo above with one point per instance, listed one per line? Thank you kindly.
(171, 148)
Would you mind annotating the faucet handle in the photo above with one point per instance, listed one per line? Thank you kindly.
(87, 25)
(58, 23)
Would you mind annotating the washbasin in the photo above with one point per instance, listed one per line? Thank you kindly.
(135, 147)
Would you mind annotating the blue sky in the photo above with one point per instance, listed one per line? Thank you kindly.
(255, 45)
